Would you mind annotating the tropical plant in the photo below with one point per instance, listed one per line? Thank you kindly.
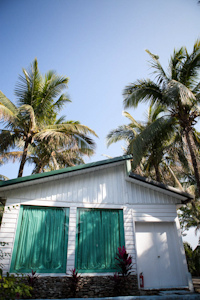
(178, 90)
(32, 278)
(74, 280)
(13, 287)
(34, 119)
(124, 262)
(148, 156)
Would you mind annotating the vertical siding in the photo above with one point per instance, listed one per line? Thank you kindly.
(103, 186)
(8, 230)
(71, 239)
(139, 194)
(129, 234)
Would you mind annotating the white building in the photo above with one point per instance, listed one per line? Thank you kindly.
(79, 216)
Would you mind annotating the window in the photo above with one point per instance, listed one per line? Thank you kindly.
(99, 233)
(41, 240)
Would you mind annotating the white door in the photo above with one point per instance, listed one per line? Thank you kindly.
(158, 255)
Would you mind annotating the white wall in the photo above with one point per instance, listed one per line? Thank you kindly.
(105, 187)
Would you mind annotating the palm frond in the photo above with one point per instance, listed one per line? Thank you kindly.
(29, 86)
(134, 123)
(3, 178)
(175, 92)
(60, 120)
(10, 156)
(28, 113)
(158, 130)
(190, 69)
(53, 86)
(154, 111)
(8, 140)
(72, 127)
(123, 132)
(155, 64)
(58, 105)
(142, 91)
(176, 62)
(7, 103)
(6, 114)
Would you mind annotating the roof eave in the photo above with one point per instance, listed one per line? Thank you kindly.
(79, 168)
(183, 196)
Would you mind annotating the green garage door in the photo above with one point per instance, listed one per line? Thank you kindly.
(99, 233)
(41, 240)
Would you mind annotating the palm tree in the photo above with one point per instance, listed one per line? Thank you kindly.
(52, 155)
(34, 119)
(145, 142)
(178, 90)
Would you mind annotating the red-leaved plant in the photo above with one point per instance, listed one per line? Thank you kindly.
(32, 278)
(74, 279)
(124, 262)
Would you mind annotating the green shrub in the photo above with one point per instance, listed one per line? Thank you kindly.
(13, 287)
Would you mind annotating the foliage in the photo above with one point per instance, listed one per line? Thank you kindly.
(13, 287)
(189, 216)
(189, 257)
(193, 259)
(124, 262)
(178, 91)
(196, 258)
(34, 120)
(74, 280)
(32, 278)
(148, 142)
(167, 147)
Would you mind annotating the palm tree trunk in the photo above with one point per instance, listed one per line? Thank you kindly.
(40, 168)
(158, 177)
(54, 161)
(23, 160)
(193, 158)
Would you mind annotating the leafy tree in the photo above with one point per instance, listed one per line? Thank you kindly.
(178, 90)
(34, 119)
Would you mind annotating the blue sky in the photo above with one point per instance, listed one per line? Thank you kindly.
(100, 45)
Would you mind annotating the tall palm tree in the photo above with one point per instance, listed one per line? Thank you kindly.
(33, 119)
(178, 90)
